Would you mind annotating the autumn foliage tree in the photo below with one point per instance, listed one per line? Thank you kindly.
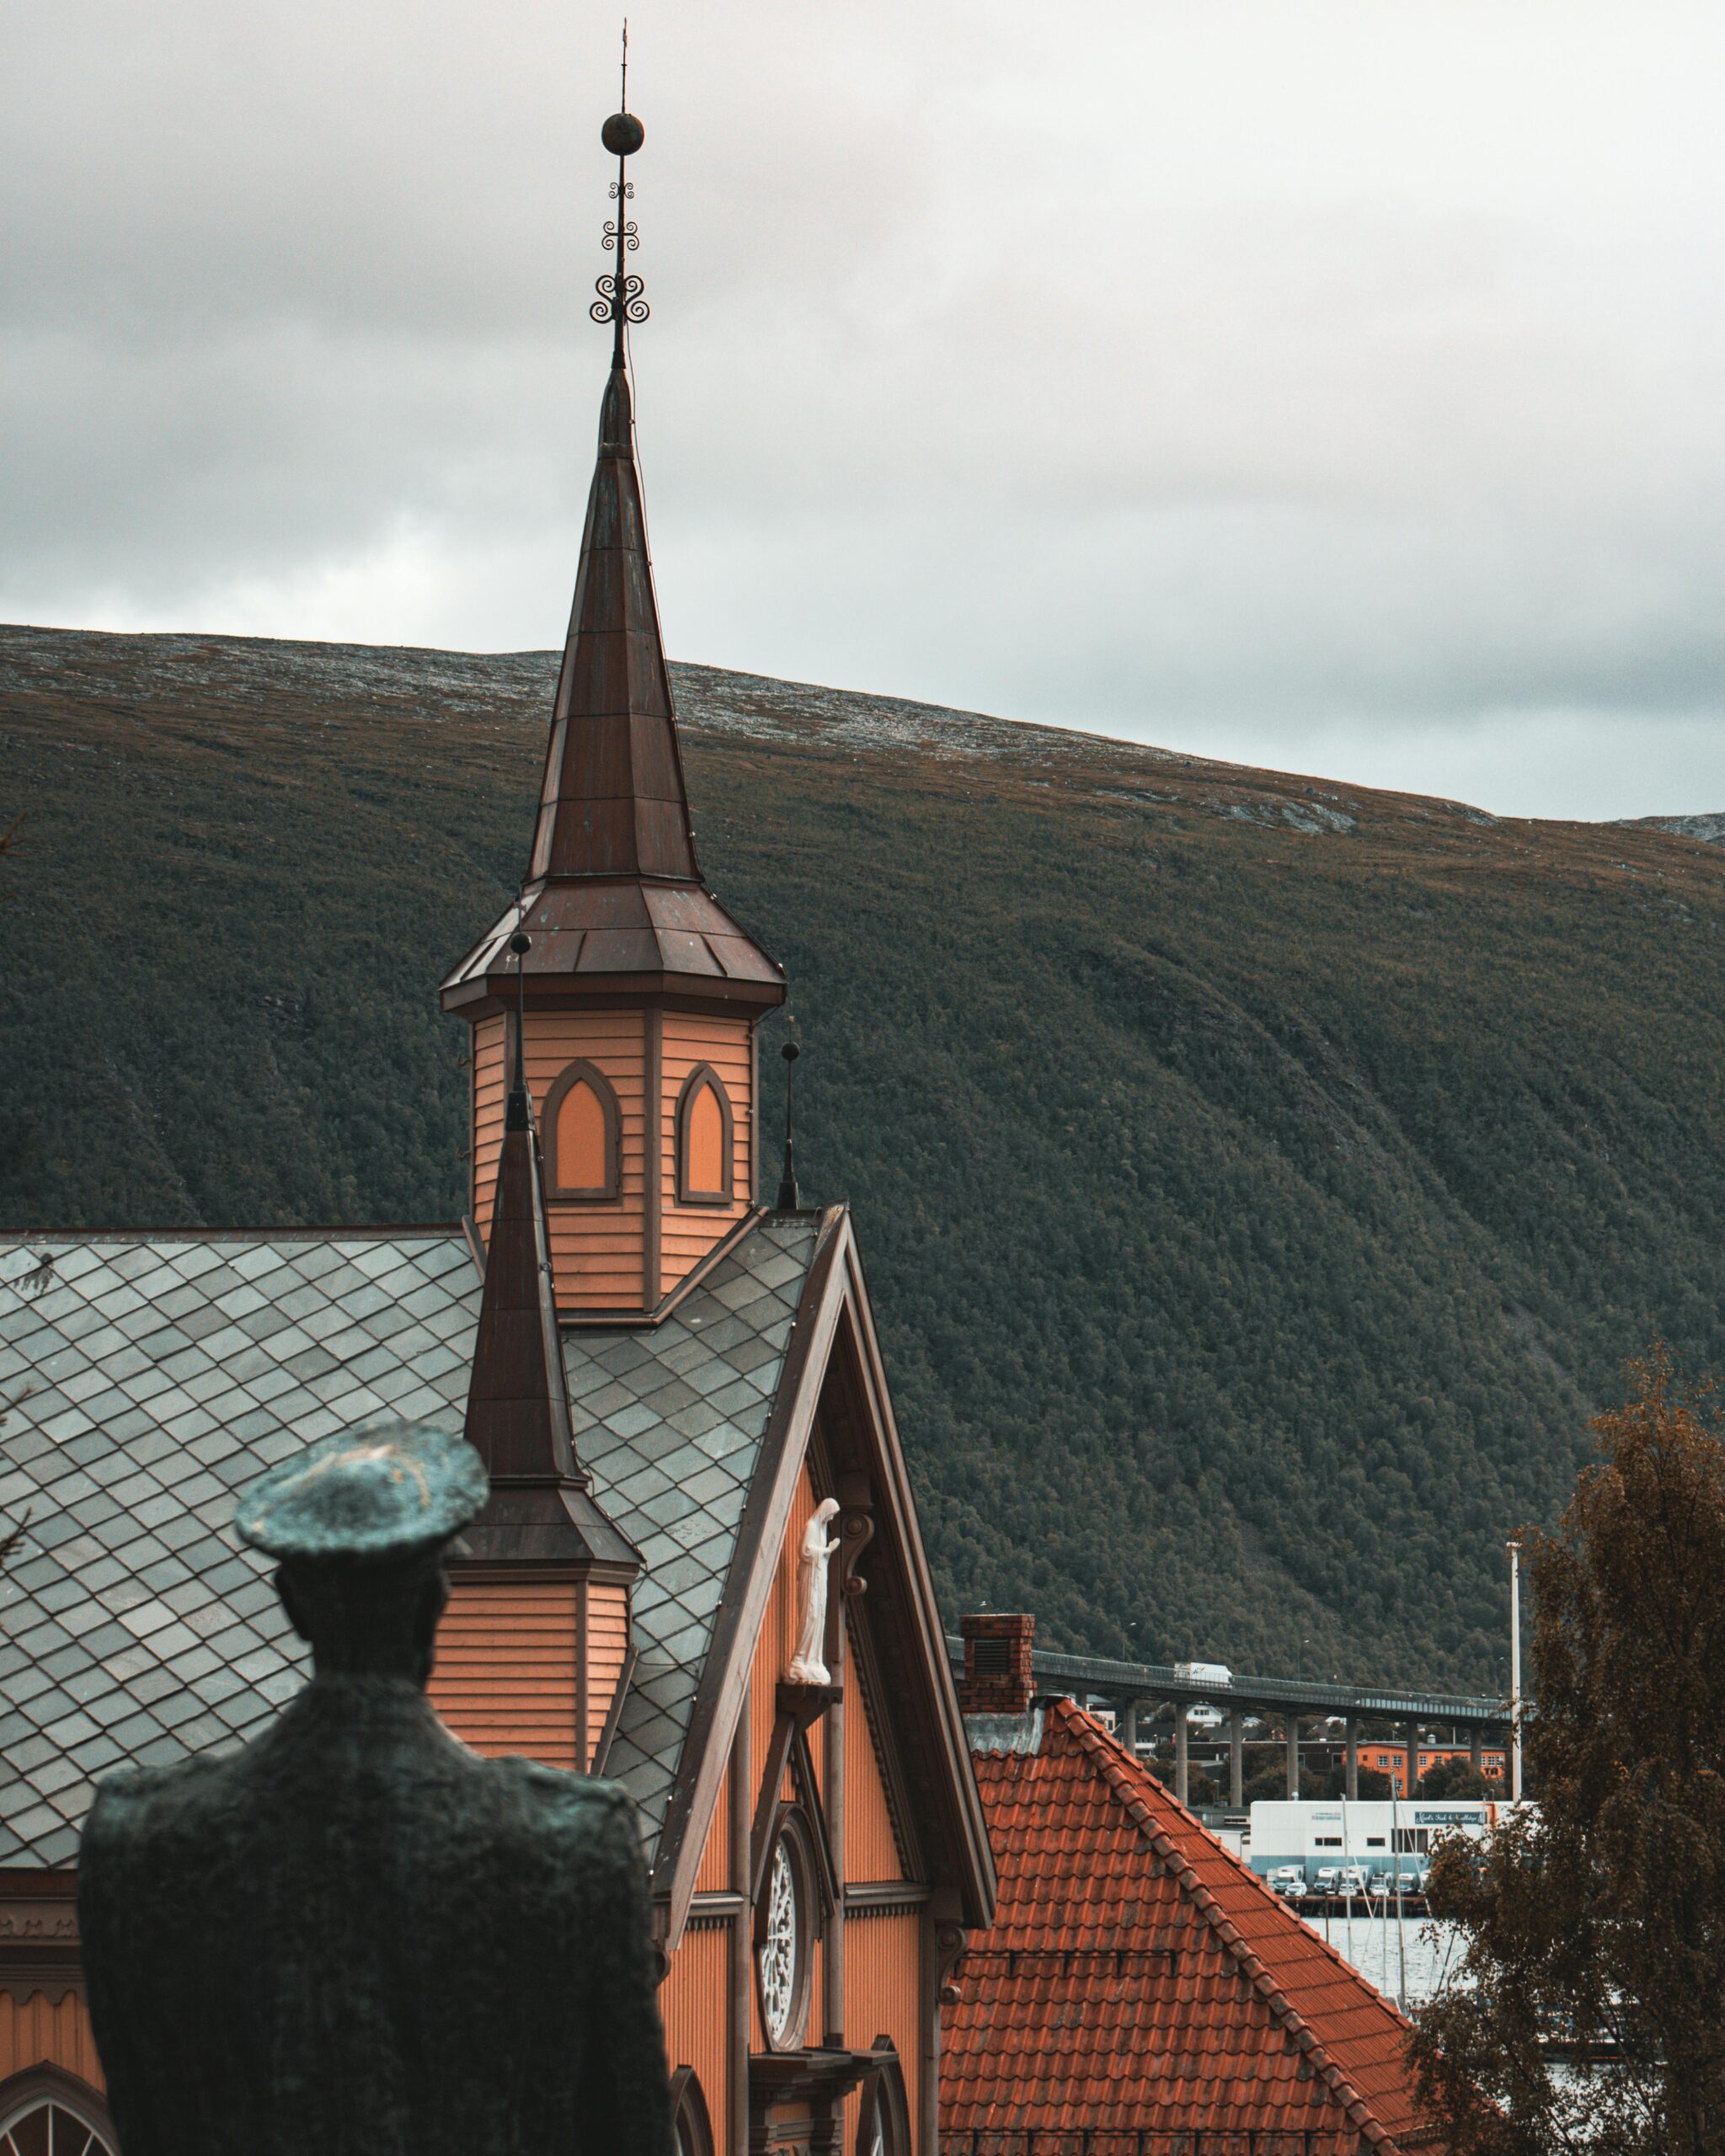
(1590, 2012)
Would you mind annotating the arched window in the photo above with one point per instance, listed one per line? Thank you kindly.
(883, 2128)
(47, 2112)
(583, 1137)
(694, 2126)
(703, 1139)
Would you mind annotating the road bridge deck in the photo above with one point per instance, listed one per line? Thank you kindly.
(1125, 1681)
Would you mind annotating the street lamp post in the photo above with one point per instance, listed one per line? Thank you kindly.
(1514, 1549)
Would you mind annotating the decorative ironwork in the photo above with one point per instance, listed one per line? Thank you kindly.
(619, 301)
(606, 307)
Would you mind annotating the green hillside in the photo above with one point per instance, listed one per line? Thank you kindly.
(1260, 1179)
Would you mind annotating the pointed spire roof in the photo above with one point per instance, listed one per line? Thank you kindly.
(613, 801)
(541, 1507)
(614, 892)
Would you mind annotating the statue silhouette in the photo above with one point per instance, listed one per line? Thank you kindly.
(355, 1936)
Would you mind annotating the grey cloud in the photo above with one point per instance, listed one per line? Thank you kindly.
(1297, 380)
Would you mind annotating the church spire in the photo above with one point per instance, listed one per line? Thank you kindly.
(613, 801)
(638, 996)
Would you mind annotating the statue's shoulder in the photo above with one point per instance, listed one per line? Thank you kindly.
(141, 1808)
(578, 1808)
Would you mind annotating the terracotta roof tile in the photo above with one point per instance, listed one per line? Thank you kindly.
(1141, 1983)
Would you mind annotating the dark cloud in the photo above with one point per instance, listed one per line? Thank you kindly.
(1331, 385)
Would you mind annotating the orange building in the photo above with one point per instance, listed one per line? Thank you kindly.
(1391, 1759)
(673, 1385)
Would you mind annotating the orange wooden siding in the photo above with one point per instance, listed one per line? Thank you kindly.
(725, 1045)
(607, 1648)
(507, 1679)
(883, 1998)
(35, 2031)
(714, 1875)
(695, 2000)
(597, 1251)
(871, 1848)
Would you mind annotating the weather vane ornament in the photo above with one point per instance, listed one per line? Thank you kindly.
(619, 301)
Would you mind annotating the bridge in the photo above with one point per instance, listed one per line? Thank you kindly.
(1128, 1685)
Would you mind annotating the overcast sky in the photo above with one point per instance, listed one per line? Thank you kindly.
(1338, 385)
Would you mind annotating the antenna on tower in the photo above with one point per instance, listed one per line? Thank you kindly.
(789, 1201)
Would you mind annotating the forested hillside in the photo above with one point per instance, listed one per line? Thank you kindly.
(1261, 1180)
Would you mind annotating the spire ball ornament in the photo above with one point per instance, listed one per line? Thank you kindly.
(623, 134)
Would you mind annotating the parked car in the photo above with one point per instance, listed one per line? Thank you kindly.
(1353, 1882)
(1328, 1882)
(1287, 1879)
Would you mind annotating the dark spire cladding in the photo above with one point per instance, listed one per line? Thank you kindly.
(613, 801)
(614, 892)
(518, 1405)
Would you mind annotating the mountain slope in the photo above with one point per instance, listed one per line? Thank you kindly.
(1260, 1179)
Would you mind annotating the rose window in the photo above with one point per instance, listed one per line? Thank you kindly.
(780, 1948)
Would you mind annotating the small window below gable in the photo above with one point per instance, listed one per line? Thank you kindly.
(583, 1138)
(704, 1133)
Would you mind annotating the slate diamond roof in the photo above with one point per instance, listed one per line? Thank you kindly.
(670, 1422)
(145, 1378)
(142, 1380)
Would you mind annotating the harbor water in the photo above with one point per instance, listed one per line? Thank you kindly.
(1376, 1945)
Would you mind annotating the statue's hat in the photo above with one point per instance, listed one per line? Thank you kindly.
(383, 1490)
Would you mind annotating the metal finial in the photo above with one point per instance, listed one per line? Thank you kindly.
(619, 301)
(789, 1199)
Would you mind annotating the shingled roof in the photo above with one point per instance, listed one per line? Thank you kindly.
(144, 1378)
(1140, 1982)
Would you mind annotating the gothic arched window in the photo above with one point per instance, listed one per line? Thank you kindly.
(583, 1131)
(45, 2112)
(703, 1139)
(883, 2125)
(694, 2127)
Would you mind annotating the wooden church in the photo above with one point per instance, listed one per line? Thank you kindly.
(700, 1571)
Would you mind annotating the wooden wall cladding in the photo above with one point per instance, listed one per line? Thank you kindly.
(597, 1251)
(714, 1875)
(38, 2030)
(725, 1046)
(506, 1679)
(607, 1650)
(883, 1997)
(695, 2000)
(871, 1848)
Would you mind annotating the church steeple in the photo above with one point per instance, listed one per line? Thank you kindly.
(613, 801)
(641, 992)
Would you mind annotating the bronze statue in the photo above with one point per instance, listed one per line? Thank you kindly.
(355, 1937)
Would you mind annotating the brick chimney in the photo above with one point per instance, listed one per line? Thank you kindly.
(997, 1678)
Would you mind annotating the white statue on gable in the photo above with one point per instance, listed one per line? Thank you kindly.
(807, 1665)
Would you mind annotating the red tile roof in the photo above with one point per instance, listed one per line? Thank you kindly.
(1142, 1983)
